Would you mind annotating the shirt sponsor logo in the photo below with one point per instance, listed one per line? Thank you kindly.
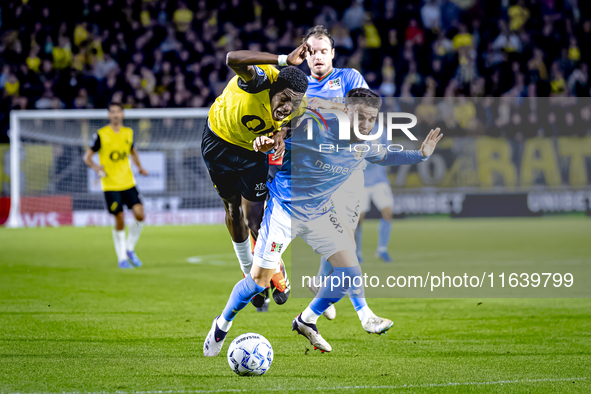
(332, 167)
(334, 84)
(116, 155)
(276, 247)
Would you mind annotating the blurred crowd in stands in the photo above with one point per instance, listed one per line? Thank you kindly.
(169, 53)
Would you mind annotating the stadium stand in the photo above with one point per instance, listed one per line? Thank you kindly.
(158, 53)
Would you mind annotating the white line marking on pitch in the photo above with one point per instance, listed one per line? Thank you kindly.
(212, 259)
(403, 386)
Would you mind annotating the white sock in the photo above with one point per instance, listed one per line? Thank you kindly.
(244, 254)
(308, 316)
(134, 234)
(223, 324)
(116, 243)
(119, 240)
(365, 313)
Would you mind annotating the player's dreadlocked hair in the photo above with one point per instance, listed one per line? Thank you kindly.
(363, 96)
(319, 31)
(292, 78)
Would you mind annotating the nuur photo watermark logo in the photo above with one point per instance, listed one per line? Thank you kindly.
(386, 122)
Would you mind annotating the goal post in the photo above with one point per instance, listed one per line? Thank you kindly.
(14, 218)
(50, 185)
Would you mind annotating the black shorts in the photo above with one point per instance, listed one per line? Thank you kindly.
(115, 200)
(234, 170)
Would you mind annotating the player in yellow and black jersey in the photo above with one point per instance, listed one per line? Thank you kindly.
(114, 145)
(259, 100)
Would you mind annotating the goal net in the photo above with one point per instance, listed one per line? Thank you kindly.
(51, 185)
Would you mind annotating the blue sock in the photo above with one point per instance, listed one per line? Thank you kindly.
(357, 296)
(242, 292)
(384, 229)
(325, 268)
(358, 240)
(358, 302)
(331, 295)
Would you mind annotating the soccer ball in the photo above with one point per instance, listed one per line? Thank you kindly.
(250, 354)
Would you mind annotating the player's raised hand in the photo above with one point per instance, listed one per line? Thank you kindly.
(263, 144)
(279, 146)
(428, 146)
(298, 55)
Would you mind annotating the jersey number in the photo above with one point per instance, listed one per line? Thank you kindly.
(256, 124)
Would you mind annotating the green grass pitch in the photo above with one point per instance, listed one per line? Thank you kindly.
(71, 321)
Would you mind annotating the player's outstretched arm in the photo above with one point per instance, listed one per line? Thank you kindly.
(410, 156)
(316, 103)
(136, 160)
(100, 170)
(428, 146)
(242, 62)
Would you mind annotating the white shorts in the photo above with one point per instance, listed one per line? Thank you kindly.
(346, 200)
(380, 194)
(325, 234)
(348, 208)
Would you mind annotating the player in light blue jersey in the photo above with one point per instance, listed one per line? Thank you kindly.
(327, 87)
(313, 174)
(325, 81)
(378, 191)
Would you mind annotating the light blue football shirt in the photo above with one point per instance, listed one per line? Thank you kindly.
(314, 169)
(336, 84)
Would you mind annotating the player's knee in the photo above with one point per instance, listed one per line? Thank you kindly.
(253, 224)
(262, 279)
(138, 213)
(233, 211)
(387, 214)
(119, 221)
(262, 272)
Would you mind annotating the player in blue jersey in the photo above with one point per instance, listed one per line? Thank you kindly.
(325, 81)
(327, 87)
(299, 206)
(378, 191)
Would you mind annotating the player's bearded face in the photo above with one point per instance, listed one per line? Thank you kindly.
(366, 119)
(320, 61)
(284, 103)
